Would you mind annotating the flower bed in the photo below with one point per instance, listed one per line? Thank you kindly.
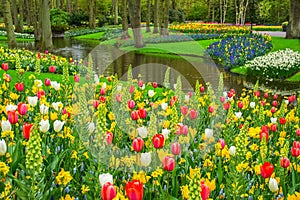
(82, 31)
(145, 142)
(267, 28)
(236, 50)
(19, 35)
(202, 28)
(276, 65)
(29, 60)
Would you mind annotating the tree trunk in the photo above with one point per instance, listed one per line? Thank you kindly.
(69, 6)
(293, 29)
(221, 11)
(115, 11)
(76, 6)
(62, 4)
(156, 16)
(92, 14)
(225, 5)
(213, 11)
(135, 19)
(174, 7)
(20, 27)
(166, 17)
(208, 10)
(46, 33)
(124, 20)
(148, 16)
(161, 17)
(8, 24)
(34, 9)
(57, 3)
(14, 12)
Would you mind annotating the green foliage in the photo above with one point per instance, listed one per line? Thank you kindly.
(78, 18)
(59, 20)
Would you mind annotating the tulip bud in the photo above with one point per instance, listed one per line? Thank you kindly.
(52, 69)
(142, 113)
(202, 89)
(184, 110)
(5, 66)
(130, 104)
(158, 141)
(222, 143)
(108, 191)
(76, 78)
(284, 162)
(240, 104)
(102, 91)
(145, 159)
(109, 138)
(12, 117)
(118, 98)
(205, 191)
(295, 152)
(266, 95)
(176, 150)
(19, 86)
(282, 121)
(96, 103)
(273, 185)
(168, 163)
(273, 109)
(154, 84)
(273, 127)
(274, 103)
(193, 114)
(22, 108)
(3, 147)
(131, 89)
(222, 99)
(211, 109)
(298, 132)
(232, 150)
(134, 115)
(138, 144)
(58, 125)
(266, 170)
(26, 130)
(275, 96)
(226, 106)
(47, 82)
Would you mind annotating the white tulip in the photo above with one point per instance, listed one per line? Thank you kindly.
(145, 159)
(55, 85)
(273, 185)
(57, 105)
(187, 98)
(274, 120)
(143, 87)
(44, 109)
(3, 147)
(165, 133)
(175, 86)
(96, 79)
(209, 133)
(91, 127)
(119, 88)
(151, 93)
(33, 101)
(5, 125)
(164, 106)
(286, 102)
(44, 125)
(224, 94)
(104, 85)
(232, 150)
(143, 132)
(238, 114)
(58, 125)
(11, 107)
(105, 178)
(252, 104)
(38, 83)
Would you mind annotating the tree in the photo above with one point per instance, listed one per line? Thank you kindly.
(12, 43)
(115, 11)
(148, 16)
(135, 20)
(156, 16)
(45, 24)
(124, 20)
(293, 29)
(164, 17)
(92, 6)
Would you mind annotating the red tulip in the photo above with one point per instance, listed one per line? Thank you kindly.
(102, 91)
(172, 102)
(222, 99)
(65, 112)
(176, 150)
(96, 103)
(266, 170)
(76, 78)
(222, 142)
(102, 99)
(226, 105)
(230, 94)
(46, 52)
(168, 163)
(130, 104)
(298, 132)
(284, 162)
(295, 152)
(40, 93)
(7, 78)
(273, 109)
(5, 66)
(12, 117)
(257, 93)
(275, 96)
(190, 94)
(232, 91)
(109, 79)
(263, 103)
(296, 144)
(282, 121)
(264, 135)
(265, 129)
(193, 114)
(266, 95)
(22, 108)
(109, 137)
(184, 110)
(52, 69)
(39, 55)
(134, 190)
(275, 103)
(118, 98)
(154, 84)
(291, 98)
(47, 82)
(204, 191)
(240, 104)
(211, 109)
(273, 127)
(158, 141)
(134, 115)
(138, 144)
(108, 191)
(27, 130)
(202, 89)
(19, 86)
(142, 113)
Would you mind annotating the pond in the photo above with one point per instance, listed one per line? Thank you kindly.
(109, 60)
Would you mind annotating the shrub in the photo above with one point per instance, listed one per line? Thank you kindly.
(77, 18)
(59, 20)
(236, 50)
(277, 65)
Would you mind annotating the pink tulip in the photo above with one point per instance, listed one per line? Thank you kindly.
(154, 84)
(47, 82)
(134, 115)
(109, 137)
(222, 99)
(102, 91)
(5, 66)
(108, 191)
(202, 89)
(193, 114)
(52, 69)
(211, 109)
(140, 83)
(22, 108)
(240, 104)
(96, 103)
(273, 109)
(130, 104)
(266, 95)
(19, 86)
(298, 132)
(284, 162)
(222, 142)
(131, 89)
(204, 191)
(168, 163)
(12, 117)
(76, 78)
(118, 98)
(138, 144)
(176, 150)
(184, 110)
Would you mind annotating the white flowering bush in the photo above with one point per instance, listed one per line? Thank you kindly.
(275, 65)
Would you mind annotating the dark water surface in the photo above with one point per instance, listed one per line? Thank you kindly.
(109, 60)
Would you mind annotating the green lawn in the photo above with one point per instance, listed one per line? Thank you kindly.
(3, 38)
(92, 36)
(282, 43)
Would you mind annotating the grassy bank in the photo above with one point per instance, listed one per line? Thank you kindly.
(3, 38)
(93, 36)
